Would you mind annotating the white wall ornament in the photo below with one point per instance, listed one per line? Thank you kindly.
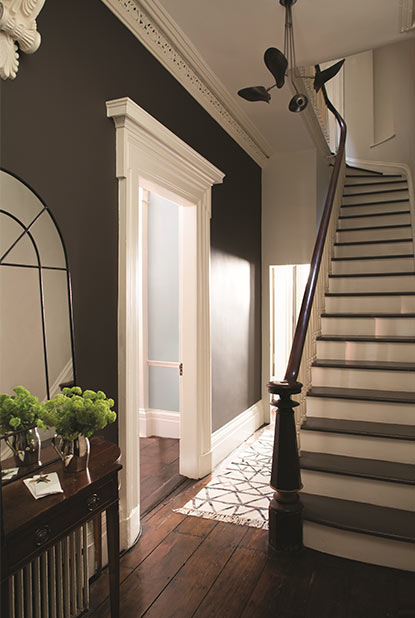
(18, 30)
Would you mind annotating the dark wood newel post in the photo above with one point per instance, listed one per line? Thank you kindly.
(285, 509)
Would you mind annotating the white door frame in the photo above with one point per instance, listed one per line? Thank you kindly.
(147, 150)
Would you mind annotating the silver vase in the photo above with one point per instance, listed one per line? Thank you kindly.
(25, 446)
(74, 453)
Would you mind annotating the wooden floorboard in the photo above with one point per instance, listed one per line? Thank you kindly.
(186, 567)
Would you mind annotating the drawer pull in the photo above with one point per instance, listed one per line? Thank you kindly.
(42, 535)
(92, 502)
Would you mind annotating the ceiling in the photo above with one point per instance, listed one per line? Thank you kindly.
(231, 37)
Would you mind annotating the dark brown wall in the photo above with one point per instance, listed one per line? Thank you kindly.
(55, 135)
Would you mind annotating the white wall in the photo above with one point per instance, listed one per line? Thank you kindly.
(294, 185)
(380, 104)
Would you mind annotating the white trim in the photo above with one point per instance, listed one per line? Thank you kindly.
(156, 30)
(147, 151)
(230, 436)
(388, 167)
(167, 364)
(382, 141)
(160, 423)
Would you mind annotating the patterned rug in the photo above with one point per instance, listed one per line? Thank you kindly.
(239, 491)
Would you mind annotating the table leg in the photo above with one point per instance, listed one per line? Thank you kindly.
(97, 526)
(113, 544)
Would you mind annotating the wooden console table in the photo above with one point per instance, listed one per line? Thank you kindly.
(32, 526)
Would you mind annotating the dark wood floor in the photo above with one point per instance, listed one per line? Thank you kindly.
(187, 566)
(159, 462)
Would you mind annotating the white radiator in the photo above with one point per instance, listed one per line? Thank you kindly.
(54, 585)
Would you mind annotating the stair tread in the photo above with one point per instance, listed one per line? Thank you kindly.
(367, 315)
(373, 227)
(367, 338)
(370, 519)
(379, 182)
(376, 214)
(374, 192)
(362, 169)
(373, 257)
(372, 294)
(372, 242)
(396, 274)
(360, 428)
(356, 466)
(374, 203)
(363, 394)
(380, 175)
(364, 364)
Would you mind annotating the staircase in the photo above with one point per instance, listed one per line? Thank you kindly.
(358, 442)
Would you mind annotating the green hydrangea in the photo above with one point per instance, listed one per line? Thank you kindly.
(74, 412)
(19, 411)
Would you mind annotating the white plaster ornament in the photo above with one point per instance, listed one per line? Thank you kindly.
(18, 30)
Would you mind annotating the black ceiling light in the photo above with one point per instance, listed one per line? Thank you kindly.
(278, 63)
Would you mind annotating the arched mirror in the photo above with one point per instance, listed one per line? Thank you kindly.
(36, 323)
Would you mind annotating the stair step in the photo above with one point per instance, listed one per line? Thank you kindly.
(369, 519)
(381, 232)
(371, 481)
(376, 177)
(393, 325)
(368, 209)
(401, 217)
(367, 439)
(363, 374)
(379, 535)
(356, 171)
(357, 466)
(379, 264)
(376, 182)
(363, 347)
(372, 282)
(374, 248)
(369, 197)
(373, 203)
(361, 405)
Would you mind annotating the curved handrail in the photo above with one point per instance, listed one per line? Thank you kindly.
(296, 354)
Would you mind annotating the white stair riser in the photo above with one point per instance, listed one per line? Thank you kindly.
(393, 265)
(358, 410)
(375, 249)
(367, 447)
(384, 196)
(351, 172)
(365, 350)
(390, 283)
(363, 378)
(360, 547)
(395, 219)
(373, 234)
(368, 304)
(385, 327)
(357, 489)
(361, 186)
(374, 209)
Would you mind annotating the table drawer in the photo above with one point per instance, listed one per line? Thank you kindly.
(25, 543)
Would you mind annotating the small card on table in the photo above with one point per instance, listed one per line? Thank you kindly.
(41, 485)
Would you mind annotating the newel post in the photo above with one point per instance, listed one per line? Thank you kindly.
(285, 510)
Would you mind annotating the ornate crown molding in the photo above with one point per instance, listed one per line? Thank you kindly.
(407, 15)
(17, 31)
(156, 30)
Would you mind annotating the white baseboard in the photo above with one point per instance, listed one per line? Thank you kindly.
(231, 435)
(161, 423)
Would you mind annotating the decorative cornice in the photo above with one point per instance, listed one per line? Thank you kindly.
(156, 30)
(407, 15)
(17, 30)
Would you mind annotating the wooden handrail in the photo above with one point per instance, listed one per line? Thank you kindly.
(285, 511)
(296, 354)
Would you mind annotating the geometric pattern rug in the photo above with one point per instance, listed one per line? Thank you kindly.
(239, 491)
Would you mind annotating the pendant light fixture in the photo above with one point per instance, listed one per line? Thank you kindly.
(278, 62)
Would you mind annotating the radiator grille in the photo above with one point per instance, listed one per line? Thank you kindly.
(54, 585)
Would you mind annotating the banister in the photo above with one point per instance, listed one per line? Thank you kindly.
(285, 510)
(294, 361)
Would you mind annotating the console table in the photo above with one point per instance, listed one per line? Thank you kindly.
(31, 526)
